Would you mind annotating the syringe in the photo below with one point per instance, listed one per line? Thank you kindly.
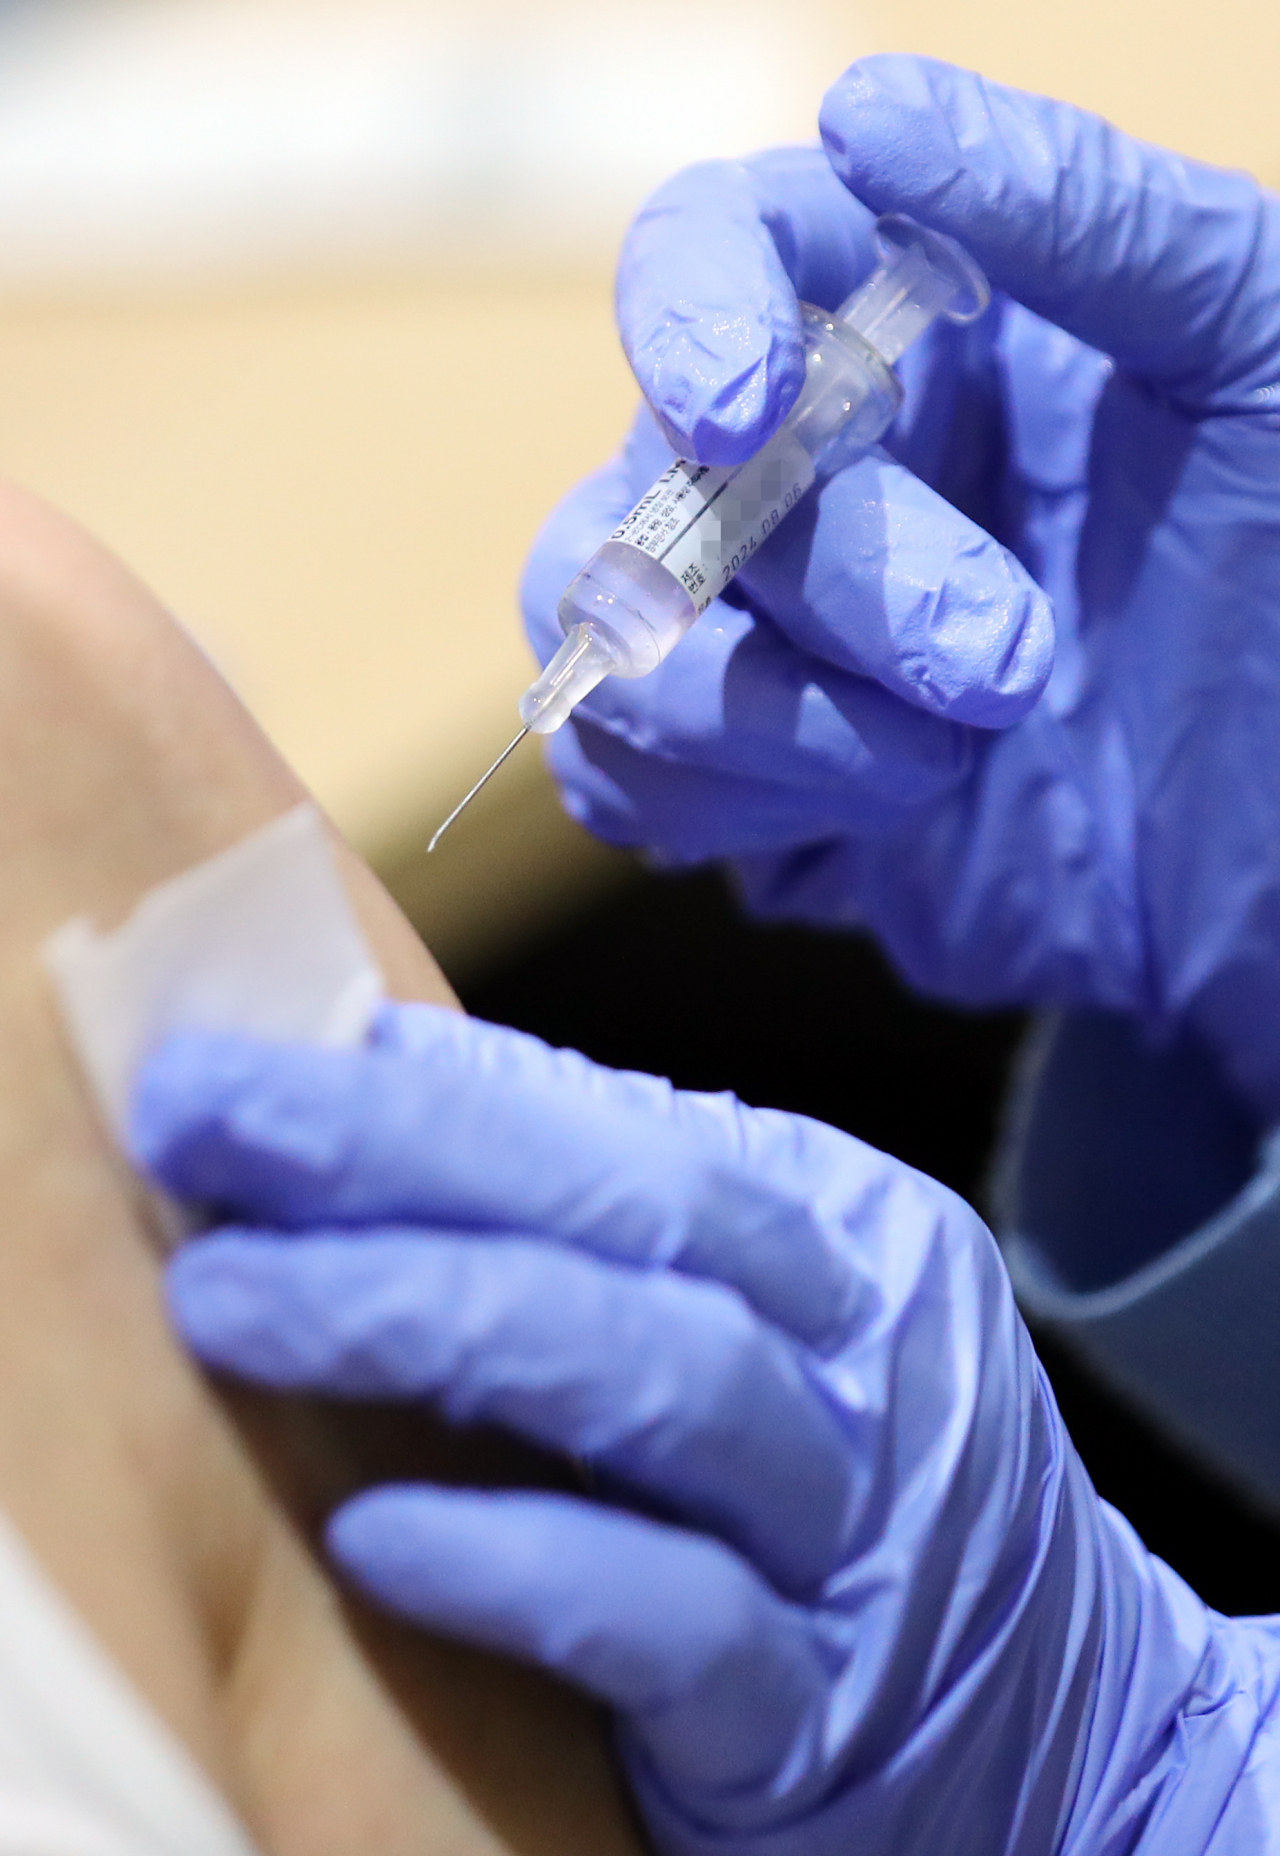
(699, 525)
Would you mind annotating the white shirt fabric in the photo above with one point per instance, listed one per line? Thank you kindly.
(86, 1767)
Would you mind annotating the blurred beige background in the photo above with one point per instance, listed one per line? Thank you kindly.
(306, 309)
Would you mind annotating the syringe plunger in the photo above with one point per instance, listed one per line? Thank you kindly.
(921, 276)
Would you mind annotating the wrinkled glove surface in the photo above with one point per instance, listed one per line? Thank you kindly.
(848, 1587)
(859, 729)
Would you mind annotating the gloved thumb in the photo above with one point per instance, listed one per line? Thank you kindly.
(1168, 265)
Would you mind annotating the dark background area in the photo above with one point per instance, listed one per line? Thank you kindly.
(665, 975)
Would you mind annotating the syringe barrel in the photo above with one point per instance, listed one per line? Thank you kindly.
(700, 524)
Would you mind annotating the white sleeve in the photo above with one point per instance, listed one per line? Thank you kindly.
(86, 1767)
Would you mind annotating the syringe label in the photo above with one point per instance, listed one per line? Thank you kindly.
(704, 521)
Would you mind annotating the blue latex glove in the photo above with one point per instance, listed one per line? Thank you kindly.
(854, 1592)
(1116, 846)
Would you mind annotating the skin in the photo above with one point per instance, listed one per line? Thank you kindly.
(173, 1514)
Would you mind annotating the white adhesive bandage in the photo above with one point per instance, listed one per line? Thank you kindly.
(259, 938)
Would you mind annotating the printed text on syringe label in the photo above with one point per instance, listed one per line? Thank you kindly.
(704, 522)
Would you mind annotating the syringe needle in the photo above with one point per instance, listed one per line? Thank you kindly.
(464, 803)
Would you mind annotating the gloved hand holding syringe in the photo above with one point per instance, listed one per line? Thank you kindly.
(687, 538)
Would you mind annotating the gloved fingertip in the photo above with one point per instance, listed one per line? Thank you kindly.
(178, 1086)
(377, 1511)
(226, 1119)
(709, 317)
(718, 409)
(215, 1304)
(384, 1539)
(1010, 653)
(896, 121)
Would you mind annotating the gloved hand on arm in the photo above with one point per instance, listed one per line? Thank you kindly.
(848, 1587)
(856, 723)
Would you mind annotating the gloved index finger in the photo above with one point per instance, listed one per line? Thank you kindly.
(1168, 265)
(481, 1128)
(707, 293)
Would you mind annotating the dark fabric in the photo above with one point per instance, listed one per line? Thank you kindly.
(1139, 1211)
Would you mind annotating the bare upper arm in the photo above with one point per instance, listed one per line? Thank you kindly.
(172, 1519)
